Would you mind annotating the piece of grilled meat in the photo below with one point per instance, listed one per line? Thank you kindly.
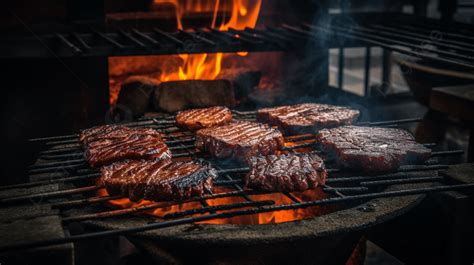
(287, 172)
(307, 117)
(196, 119)
(158, 180)
(239, 140)
(372, 149)
(112, 132)
(89, 135)
(130, 146)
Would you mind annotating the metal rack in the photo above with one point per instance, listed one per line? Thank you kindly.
(348, 189)
(401, 33)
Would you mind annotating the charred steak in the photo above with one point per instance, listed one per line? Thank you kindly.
(112, 132)
(288, 172)
(158, 180)
(239, 140)
(196, 119)
(307, 118)
(372, 149)
(89, 135)
(132, 146)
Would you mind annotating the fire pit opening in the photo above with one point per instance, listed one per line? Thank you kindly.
(146, 83)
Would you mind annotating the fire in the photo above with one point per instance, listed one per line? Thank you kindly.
(244, 13)
(262, 218)
(223, 14)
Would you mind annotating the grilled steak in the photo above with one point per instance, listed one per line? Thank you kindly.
(112, 132)
(92, 133)
(130, 146)
(158, 180)
(372, 149)
(307, 118)
(239, 140)
(288, 172)
(196, 119)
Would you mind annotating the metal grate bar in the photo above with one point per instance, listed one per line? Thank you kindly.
(417, 39)
(455, 37)
(168, 36)
(48, 194)
(68, 43)
(51, 181)
(146, 37)
(229, 214)
(402, 32)
(385, 45)
(218, 208)
(410, 44)
(108, 39)
(81, 41)
(133, 39)
(198, 37)
(83, 202)
(400, 181)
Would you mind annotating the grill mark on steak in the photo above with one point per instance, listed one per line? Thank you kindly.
(91, 133)
(372, 149)
(196, 119)
(125, 144)
(136, 187)
(110, 132)
(287, 172)
(158, 180)
(307, 117)
(239, 140)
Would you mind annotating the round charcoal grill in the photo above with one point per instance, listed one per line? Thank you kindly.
(358, 202)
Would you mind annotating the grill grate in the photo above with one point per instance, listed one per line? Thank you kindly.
(349, 188)
(413, 36)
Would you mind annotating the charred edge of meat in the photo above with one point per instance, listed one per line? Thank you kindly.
(134, 182)
(194, 184)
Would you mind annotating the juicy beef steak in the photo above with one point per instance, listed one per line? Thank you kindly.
(307, 118)
(158, 180)
(129, 146)
(239, 140)
(372, 149)
(112, 132)
(288, 172)
(196, 119)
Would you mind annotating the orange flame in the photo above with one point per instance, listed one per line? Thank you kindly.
(261, 218)
(244, 13)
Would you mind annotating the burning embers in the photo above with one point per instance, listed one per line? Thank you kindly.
(217, 14)
(168, 208)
